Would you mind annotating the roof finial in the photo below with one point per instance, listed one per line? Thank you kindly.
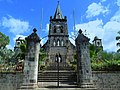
(80, 31)
(34, 30)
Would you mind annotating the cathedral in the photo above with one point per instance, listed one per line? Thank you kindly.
(58, 42)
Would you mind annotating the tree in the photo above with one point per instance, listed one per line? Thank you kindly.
(4, 40)
(6, 55)
(43, 59)
(23, 49)
(118, 43)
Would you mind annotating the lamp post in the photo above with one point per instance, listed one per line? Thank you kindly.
(58, 60)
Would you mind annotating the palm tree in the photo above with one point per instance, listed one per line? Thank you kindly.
(118, 43)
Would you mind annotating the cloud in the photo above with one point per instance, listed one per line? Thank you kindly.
(103, 0)
(118, 2)
(45, 37)
(10, 47)
(17, 36)
(93, 28)
(95, 9)
(47, 28)
(16, 26)
(43, 41)
(116, 17)
(14, 40)
(106, 32)
(72, 37)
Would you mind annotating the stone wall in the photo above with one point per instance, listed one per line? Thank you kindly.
(107, 80)
(10, 80)
(102, 80)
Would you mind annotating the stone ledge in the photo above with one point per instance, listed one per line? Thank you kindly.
(28, 86)
(105, 72)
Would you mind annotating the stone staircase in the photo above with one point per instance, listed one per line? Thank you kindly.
(66, 74)
(52, 76)
(67, 78)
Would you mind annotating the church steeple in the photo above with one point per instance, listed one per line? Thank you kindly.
(58, 12)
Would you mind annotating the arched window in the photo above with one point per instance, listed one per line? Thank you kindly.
(62, 43)
(58, 42)
(54, 43)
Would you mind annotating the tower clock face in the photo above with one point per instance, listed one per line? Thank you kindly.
(58, 28)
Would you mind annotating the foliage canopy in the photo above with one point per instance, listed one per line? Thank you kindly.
(4, 40)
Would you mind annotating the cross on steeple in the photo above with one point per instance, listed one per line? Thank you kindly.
(58, 12)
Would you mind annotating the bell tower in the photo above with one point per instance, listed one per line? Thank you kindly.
(58, 35)
(58, 28)
(58, 39)
(97, 43)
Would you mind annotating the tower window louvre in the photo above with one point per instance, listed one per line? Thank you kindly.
(58, 43)
(62, 43)
(54, 43)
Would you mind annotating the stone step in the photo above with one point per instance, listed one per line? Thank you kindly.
(64, 89)
(56, 80)
(52, 76)
(60, 68)
(56, 76)
(28, 86)
(88, 86)
(68, 78)
(55, 71)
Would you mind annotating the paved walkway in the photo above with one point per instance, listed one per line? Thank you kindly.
(55, 85)
(60, 89)
(56, 89)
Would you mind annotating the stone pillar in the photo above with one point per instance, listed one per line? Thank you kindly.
(31, 61)
(84, 73)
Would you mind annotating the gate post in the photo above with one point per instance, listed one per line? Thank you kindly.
(84, 73)
(31, 61)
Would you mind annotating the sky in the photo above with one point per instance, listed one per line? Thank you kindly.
(99, 18)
